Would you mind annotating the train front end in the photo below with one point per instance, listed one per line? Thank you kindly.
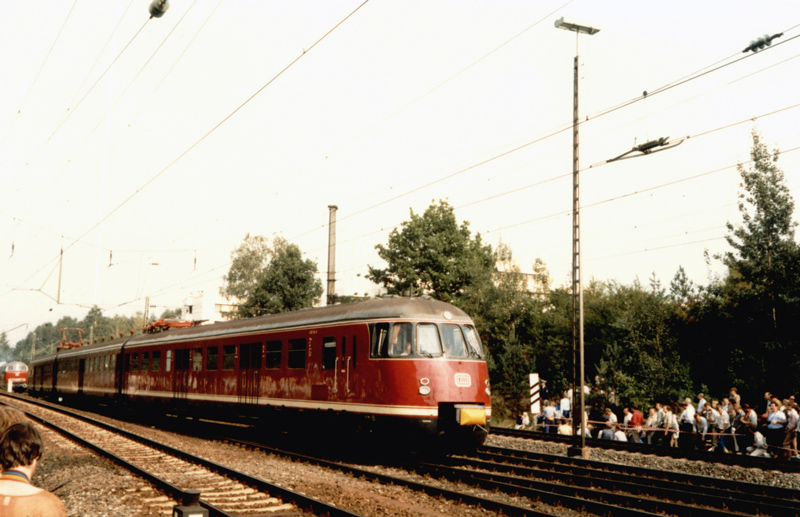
(433, 371)
(15, 376)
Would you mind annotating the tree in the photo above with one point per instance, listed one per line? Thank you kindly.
(5, 348)
(287, 283)
(765, 255)
(433, 255)
(248, 261)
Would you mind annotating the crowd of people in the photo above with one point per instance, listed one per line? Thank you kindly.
(21, 448)
(723, 425)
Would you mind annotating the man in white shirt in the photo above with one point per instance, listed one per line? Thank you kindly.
(566, 406)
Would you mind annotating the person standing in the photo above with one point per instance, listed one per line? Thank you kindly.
(20, 451)
(637, 421)
(790, 438)
(776, 428)
(734, 396)
(566, 405)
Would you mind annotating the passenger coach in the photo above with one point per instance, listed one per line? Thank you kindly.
(385, 365)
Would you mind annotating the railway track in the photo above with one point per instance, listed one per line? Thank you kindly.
(224, 492)
(741, 460)
(581, 485)
(604, 488)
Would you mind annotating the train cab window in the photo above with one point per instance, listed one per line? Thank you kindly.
(156, 364)
(229, 357)
(379, 337)
(453, 341)
(328, 353)
(169, 361)
(274, 349)
(145, 361)
(297, 353)
(428, 344)
(353, 352)
(212, 358)
(197, 359)
(473, 341)
(400, 341)
(134, 362)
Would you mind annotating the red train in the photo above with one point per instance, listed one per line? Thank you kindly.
(16, 373)
(408, 365)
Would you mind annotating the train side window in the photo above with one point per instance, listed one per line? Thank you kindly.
(229, 357)
(145, 361)
(212, 358)
(169, 360)
(453, 341)
(134, 362)
(297, 353)
(156, 360)
(379, 333)
(400, 342)
(328, 353)
(197, 359)
(354, 352)
(274, 349)
(428, 340)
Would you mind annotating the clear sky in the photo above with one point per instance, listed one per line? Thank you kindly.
(148, 149)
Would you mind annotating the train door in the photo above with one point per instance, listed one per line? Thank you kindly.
(180, 384)
(122, 365)
(347, 365)
(81, 372)
(249, 368)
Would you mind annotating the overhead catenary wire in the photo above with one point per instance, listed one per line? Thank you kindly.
(109, 110)
(201, 139)
(132, 121)
(72, 110)
(559, 130)
(38, 73)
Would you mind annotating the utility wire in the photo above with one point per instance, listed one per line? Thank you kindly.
(38, 73)
(71, 111)
(195, 144)
(109, 110)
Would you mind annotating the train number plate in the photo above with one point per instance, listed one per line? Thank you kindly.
(463, 380)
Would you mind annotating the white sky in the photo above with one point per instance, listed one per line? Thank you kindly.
(163, 159)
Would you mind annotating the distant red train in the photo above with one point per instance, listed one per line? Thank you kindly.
(409, 365)
(15, 372)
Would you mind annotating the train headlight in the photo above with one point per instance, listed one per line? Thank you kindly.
(424, 388)
(488, 388)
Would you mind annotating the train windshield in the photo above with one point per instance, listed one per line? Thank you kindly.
(473, 341)
(424, 340)
(400, 340)
(428, 343)
(453, 341)
(16, 367)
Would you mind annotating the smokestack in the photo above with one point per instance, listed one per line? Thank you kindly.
(332, 255)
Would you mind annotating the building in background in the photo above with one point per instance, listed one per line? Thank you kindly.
(208, 308)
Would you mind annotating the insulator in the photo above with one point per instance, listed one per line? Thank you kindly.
(158, 8)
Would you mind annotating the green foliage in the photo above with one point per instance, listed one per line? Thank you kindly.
(433, 255)
(764, 259)
(286, 283)
(248, 261)
(5, 348)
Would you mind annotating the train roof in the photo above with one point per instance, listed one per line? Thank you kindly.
(422, 308)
